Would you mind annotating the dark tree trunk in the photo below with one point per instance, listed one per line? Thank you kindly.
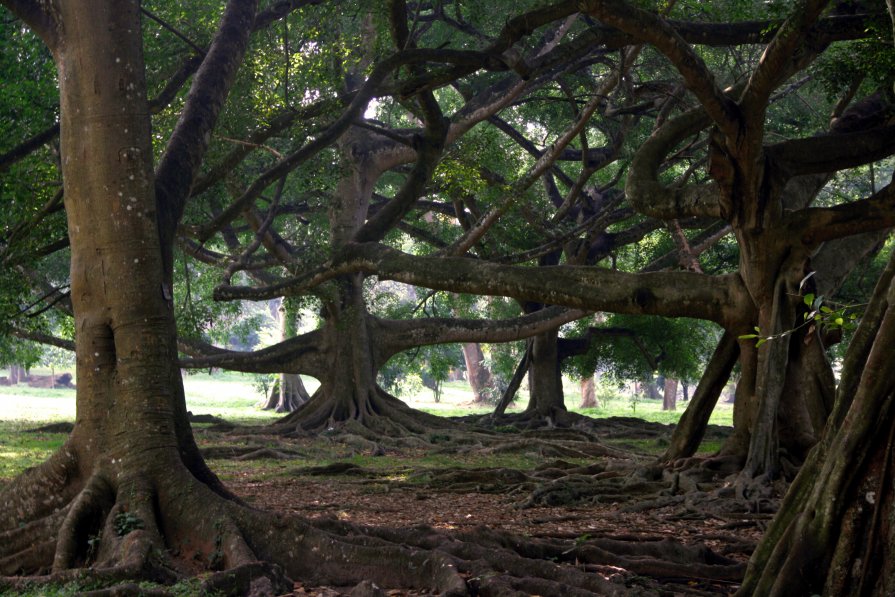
(669, 394)
(348, 389)
(691, 428)
(479, 376)
(546, 398)
(515, 383)
(836, 519)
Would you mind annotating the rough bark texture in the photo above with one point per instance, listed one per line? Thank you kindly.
(837, 516)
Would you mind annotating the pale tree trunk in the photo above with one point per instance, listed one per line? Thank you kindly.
(669, 394)
(17, 373)
(288, 392)
(131, 444)
(479, 376)
(588, 393)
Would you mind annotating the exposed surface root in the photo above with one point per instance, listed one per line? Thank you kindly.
(111, 529)
(252, 452)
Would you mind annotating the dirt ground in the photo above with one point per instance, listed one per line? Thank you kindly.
(386, 496)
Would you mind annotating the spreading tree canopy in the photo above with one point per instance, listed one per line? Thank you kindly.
(313, 148)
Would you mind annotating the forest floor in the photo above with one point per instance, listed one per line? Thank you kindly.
(473, 491)
(471, 494)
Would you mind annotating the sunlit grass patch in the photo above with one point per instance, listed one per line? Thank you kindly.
(20, 450)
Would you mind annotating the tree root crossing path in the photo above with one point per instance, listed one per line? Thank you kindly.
(463, 510)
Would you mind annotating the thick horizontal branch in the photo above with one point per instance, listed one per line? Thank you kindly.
(300, 354)
(400, 335)
(571, 347)
(832, 152)
(722, 299)
(819, 224)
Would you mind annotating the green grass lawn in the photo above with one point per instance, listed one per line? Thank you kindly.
(456, 401)
(235, 397)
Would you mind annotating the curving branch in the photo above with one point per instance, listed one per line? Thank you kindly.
(773, 67)
(428, 147)
(649, 196)
(652, 29)
(186, 148)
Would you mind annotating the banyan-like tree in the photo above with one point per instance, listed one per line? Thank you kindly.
(130, 474)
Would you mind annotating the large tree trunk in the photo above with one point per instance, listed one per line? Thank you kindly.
(546, 398)
(479, 376)
(836, 520)
(131, 449)
(348, 389)
(130, 474)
